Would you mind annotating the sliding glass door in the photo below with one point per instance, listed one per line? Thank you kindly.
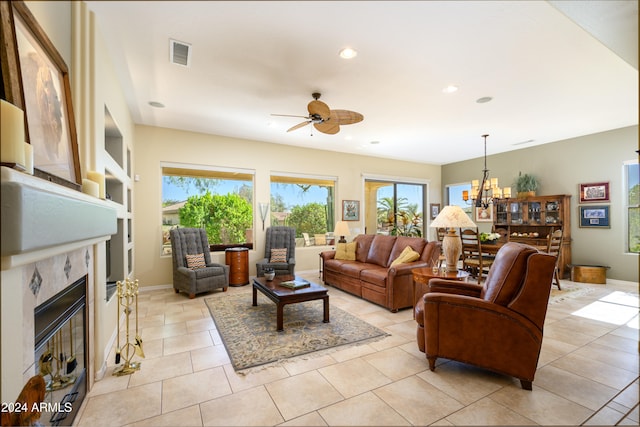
(395, 208)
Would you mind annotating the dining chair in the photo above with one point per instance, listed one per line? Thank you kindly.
(473, 259)
(554, 243)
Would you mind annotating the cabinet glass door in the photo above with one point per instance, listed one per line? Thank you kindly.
(552, 212)
(501, 212)
(515, 209)
(534, 212)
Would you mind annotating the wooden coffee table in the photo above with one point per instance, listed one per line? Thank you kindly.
(282, 296)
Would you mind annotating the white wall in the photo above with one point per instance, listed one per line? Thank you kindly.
(560, 167)
(154, 145)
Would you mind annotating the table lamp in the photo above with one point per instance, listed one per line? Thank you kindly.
(452, 217)
(342, 229)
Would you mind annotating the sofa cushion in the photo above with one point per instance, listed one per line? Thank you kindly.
(375, 275)
(353, 268)
(346, 251)
(380, 250)
(407, 255)
(417, 244)
(363, 244)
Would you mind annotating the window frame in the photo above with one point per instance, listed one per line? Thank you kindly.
(627, 206)
(395, 181)
(280, 177)
(213, 172)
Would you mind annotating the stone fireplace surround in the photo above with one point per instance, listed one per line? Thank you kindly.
(50, 238)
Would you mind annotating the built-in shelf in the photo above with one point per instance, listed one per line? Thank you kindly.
(117, 169)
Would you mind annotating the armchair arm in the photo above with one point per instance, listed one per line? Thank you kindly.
(455, 287)
(186, 272)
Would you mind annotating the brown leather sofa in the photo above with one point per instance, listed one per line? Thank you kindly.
(497, 326)
(371, 276)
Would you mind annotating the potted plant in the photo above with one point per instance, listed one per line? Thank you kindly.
(526, 185)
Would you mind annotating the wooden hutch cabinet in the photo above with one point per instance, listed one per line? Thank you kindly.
(533, 219)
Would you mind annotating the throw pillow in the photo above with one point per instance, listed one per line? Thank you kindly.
(278, 255)
(195, 261)
(407, 255)
(346, 251)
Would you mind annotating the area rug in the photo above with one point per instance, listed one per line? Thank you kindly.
(250, 337)
(569, 290)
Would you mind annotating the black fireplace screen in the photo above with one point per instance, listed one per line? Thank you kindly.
(60, 353)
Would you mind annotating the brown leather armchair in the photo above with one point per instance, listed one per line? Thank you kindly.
(497, 326)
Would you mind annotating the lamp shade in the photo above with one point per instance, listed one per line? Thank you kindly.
(452, 217)
(342, 229)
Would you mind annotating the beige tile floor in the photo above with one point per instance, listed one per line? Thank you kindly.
(587, 374)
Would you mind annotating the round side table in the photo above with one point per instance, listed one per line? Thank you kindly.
(238, 261)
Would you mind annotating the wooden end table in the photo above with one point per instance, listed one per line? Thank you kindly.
(238, 261)
(421, 277)
(282, 296)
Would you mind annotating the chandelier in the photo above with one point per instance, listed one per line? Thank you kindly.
(483, 194)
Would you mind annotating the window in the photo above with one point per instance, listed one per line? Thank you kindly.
(218, 200)
(305, 203)
(454, 197)
(632, 202)
(398, 207)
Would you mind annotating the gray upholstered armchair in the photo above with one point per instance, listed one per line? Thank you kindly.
(279, 237)
(195, 280)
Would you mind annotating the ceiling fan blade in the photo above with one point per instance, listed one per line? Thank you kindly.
(346, 117)
(290, 115)
(328, 127)
(319, 108)
(299, 125)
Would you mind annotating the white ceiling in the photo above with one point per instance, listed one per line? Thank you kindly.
(550, 79)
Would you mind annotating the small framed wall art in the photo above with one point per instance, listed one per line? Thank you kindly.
(594, 216)
(435, 210)
(596, 192)
(484, 214)
(350, 210)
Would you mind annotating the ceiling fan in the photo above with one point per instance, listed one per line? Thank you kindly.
(324, 119)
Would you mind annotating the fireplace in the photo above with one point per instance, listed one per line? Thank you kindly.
(60, 352)
(51, 300)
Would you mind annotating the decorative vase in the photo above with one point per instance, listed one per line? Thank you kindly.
(269, 275)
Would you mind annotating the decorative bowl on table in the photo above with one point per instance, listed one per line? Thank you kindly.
(269, 275)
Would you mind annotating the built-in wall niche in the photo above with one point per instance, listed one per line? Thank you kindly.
(128, 163)
(115, 259)
(113, 143)
(130, 256)
(129, 238)
(129, 200)
(114, 188)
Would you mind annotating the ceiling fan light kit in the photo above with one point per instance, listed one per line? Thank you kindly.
(323, 118)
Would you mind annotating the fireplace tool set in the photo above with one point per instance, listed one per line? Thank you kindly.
(56, 354)
(127, 293)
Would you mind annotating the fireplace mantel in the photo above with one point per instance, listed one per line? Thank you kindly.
(41, 219)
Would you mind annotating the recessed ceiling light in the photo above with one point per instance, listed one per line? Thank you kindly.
(156, 104)
(450, 89)
(484, 99)
(348, 53)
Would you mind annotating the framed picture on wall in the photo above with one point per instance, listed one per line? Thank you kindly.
(594, 216)
(594, 192)
(350, 210)
(484, 214)
(435, 210)
(38, 83)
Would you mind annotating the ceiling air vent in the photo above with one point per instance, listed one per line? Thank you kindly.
(179, 53)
